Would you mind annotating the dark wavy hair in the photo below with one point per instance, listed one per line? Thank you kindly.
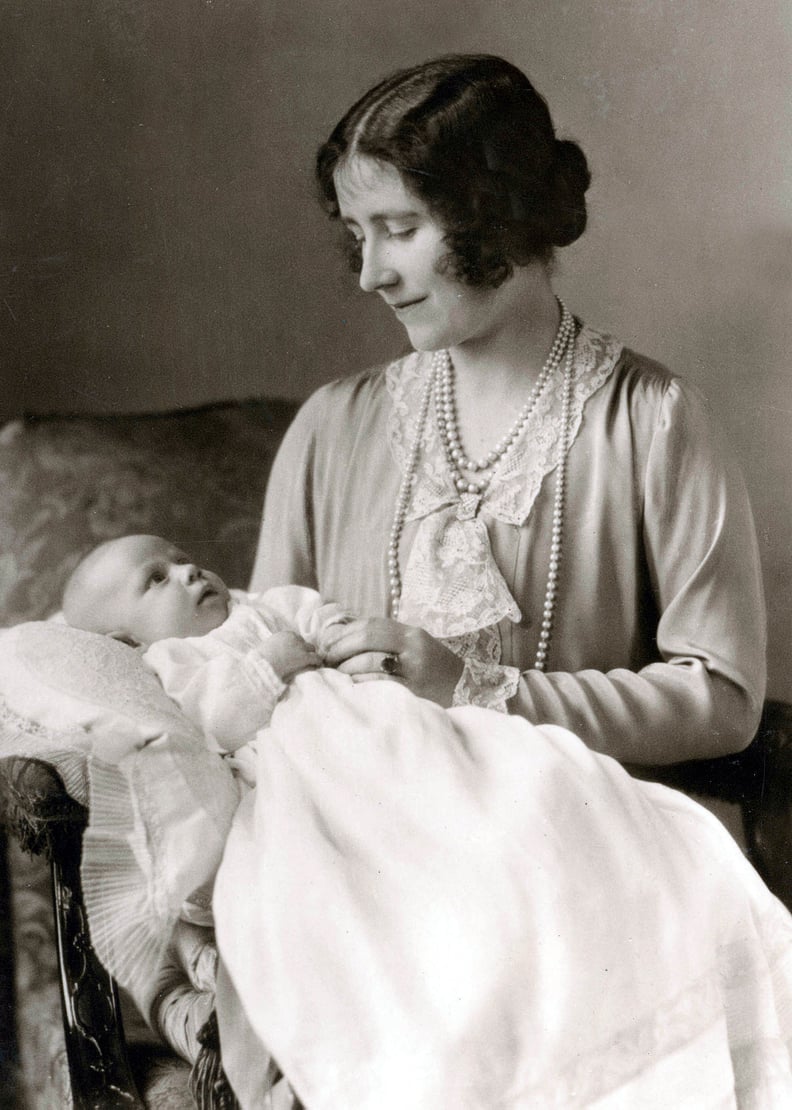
(474, 141)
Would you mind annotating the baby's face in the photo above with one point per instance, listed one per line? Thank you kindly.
(145, 589)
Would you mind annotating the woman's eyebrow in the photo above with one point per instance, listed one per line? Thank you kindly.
(401, 214)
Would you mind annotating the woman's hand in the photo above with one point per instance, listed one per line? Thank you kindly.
(381, 648)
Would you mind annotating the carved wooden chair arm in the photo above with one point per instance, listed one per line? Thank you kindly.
(48, 822)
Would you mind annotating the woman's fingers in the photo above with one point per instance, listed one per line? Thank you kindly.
(337, 632)
(373, 663)
(361, 637)
(382, 647)
(377, 677)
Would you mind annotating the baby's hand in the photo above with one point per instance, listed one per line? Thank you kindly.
(289, 655)
(330, 620)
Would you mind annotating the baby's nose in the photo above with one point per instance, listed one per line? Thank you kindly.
(189, 572)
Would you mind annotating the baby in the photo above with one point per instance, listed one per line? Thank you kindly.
(225, 657)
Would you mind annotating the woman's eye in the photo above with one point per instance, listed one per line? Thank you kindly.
(402, 233)
(353, 250)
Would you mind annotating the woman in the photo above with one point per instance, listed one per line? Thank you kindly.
(531, 518)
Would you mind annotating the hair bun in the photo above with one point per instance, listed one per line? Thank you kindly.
(571, 179)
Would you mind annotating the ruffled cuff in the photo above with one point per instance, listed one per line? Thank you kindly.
(487, 685)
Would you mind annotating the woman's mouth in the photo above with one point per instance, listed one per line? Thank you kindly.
(405, 306)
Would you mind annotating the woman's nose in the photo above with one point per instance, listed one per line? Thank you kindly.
(376, 272)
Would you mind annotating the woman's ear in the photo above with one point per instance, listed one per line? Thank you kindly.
(125, 638)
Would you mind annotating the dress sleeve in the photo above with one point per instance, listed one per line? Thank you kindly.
(285, 552)
(229, 695)
(703, 698)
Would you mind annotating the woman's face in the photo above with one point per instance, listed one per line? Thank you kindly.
(402, 246)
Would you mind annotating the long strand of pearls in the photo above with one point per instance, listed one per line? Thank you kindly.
(445, 412)
(556, 537)
(557, 529)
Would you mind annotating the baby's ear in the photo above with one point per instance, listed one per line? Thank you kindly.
(125, 638)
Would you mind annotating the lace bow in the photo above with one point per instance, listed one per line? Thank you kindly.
(451, 584)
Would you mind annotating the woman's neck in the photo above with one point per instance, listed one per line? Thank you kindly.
(524, 325)
(495, 372)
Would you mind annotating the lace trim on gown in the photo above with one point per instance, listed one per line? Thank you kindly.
(749, 976)
(66, 751)
(89, 706)
(452, 586)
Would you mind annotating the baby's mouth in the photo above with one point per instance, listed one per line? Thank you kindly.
(207, 592)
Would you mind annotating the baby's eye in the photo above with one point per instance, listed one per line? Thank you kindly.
(155, 578)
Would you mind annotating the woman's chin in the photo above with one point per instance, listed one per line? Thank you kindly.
(422, 340)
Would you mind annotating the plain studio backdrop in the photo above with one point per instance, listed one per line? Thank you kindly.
(160, 243)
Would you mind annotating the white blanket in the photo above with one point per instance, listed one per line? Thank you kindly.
(428, 909)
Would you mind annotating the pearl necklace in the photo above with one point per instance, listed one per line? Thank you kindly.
(445, 411)
(556, 536)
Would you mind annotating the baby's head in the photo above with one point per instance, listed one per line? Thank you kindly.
(141, 589)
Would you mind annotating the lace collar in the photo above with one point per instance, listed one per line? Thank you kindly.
(451, 584)
(514, 488)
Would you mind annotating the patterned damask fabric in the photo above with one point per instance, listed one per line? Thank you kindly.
(43, 1068)
(66, 484)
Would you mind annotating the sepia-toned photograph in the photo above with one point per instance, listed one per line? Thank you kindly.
(395, 555)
